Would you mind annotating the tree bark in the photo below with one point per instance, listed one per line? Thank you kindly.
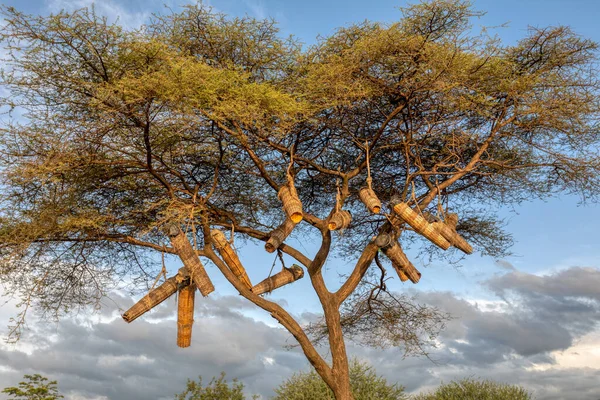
(340, 384)
(340, 370)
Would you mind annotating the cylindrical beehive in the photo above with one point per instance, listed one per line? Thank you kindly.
(152, 299)
(190, 259)
(370, 200)
(230, 257)
(279, 234)
(454, 238)
(288, 275)
(401, 263)
(185, 315)
(452, 220)
(401, 274)
(412, 273)
(420, 225)
(291, 203)
(339, 220)
(384, 240)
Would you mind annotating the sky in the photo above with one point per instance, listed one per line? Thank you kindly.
(529, 319)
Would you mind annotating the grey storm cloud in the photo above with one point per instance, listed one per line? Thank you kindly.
(535, 315)
(540, 314)
(140, 360)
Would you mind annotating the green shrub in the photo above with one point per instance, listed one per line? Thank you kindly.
(366, 385)
(217, 389)
(472, 389)
(36, 387)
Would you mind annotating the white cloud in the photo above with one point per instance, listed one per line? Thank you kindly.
(113, 10)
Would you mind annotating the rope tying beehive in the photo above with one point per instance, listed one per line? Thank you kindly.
(291, 203)
(366, 194)
(190, 259)
(286, 276)
(339, 220)
(420, 225)
(279, 234)
(230, 257)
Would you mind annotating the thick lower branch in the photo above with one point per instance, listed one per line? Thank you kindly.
(362, 265)
(287, 249)
(277, 312)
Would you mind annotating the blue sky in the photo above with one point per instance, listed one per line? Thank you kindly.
(553, 240)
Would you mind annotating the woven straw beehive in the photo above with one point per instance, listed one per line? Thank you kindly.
(420, 225)
(291, 203)
(287, 275)
(370, 200)
(185, 315)
(452, 220)
(401, 274)
(279, 234)
(454, 238)
(339, 220)
(230, 257)
(384, 240)
(152, 299)
(404, 268)
(190, 259)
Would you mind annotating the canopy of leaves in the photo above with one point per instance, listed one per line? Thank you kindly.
(199, 119)
(366, 385)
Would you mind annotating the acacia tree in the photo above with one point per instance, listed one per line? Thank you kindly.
(139, 142)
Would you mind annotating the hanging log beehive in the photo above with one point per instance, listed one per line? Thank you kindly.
(370, 200)
(230, 257)
(420, 225)
(400, 273)
(185, 315)
(454, 238)
(152, 299)
(181, 282)
(366, 194)
(452, 220)
(279, 234)
(291, 203)
(384, 240)
(404, 268)
(190, 259)
(286, 276)
(340, 220)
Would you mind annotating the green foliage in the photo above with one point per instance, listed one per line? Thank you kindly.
(36, 387)
(365, 383)
(471, 389)
(217, 389)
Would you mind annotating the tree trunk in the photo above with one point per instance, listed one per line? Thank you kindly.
(340, 382)
(340, 369)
